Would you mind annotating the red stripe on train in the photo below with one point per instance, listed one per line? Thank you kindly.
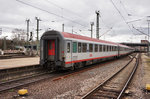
(76, 61)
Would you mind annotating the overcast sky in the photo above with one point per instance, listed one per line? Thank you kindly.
(78, 14)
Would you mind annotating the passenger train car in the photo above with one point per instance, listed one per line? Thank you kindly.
(61, 50)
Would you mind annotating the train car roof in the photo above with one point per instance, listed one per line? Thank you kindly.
(80, 37)
(75, 36)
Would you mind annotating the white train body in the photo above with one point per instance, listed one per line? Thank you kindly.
(71, 51)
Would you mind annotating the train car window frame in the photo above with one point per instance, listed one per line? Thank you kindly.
(90, 47)
(74, 47)
(79, 47)
(113, 48)
(110, 48)
(104, 48)
(96, 48)
(84, 47)
(100, 48)
(116, 48)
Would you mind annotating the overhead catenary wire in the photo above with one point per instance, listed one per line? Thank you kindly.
(49, 12)
(140, 31)
(106, 32)
(62, 8)
(135, 20)
(121, 15)
(124, 8)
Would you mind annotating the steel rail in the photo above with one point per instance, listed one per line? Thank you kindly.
(97, 87)
(24, 77)
(8, 74)
(130, 78)
(23, 82)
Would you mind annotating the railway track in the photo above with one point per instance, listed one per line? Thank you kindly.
(15, 83)
(13, 73)
(37, 76)
(114, 87)
(16, 77)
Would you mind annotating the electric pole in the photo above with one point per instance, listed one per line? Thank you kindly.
(148, 33)
(63, 27)
(92, 23)
(38, 19)
(97, 23)
(28, 20)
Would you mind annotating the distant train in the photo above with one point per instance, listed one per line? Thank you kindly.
(61, 50)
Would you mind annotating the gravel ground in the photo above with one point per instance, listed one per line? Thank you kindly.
(136, 85)
(139, 81)
(72, 87)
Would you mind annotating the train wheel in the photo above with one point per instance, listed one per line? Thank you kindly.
(73, 68)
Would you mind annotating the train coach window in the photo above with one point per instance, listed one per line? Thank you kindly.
(79, 47)
(90, 47)
(104, 48)
(68, 47)
(116, 48)
(74, 47)
(107, 48)
(100, 48)
(84, 47)
(112, 48)
(96, 48)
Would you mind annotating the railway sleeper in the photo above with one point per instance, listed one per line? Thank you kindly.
(103, 95)
(107, 92)
(111, 90)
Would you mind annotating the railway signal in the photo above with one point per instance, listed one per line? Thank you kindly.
(31, 36)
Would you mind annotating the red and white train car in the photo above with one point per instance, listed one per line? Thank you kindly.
(65, 50)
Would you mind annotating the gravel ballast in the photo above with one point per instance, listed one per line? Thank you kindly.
(72, 87)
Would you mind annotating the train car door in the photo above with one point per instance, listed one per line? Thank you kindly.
(51, 50)
(69, 52)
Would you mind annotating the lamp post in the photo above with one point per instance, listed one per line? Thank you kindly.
(148, 20)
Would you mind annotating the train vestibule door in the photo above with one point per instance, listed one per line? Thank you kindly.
(69, 52)
(51, 50)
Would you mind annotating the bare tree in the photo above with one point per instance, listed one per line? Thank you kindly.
(18, 34)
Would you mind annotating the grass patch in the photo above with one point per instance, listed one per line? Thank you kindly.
(11, 90)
